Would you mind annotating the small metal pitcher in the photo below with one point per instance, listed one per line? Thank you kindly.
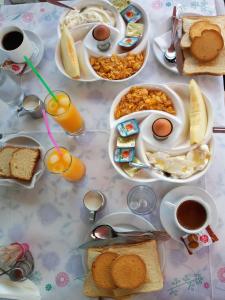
(32, 106)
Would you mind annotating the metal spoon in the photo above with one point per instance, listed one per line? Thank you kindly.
(170, 53)
(107, 232)
(144, 166)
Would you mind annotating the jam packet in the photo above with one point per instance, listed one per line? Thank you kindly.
(16, 68)
(126, 142)
(123, 155)
(128, 128)
(195, 241)
(128, 43)
(134, 29)
(131, 14)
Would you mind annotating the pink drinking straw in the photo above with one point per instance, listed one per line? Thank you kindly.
(50, 133)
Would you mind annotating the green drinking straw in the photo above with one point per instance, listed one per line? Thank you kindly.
(28, 61)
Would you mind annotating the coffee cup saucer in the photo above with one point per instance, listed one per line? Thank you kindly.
(38, 50)
(38, 45)
(168, 204)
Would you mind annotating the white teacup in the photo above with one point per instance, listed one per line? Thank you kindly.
(25, 48)
(202, 203)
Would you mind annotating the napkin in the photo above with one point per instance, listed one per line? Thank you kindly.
(163, 41)
(24, 290)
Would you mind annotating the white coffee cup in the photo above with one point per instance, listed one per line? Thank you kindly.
(24, 49)
(198, 200)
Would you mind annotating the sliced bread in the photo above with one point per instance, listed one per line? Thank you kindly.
(207, 46)
(5, 158)
(23, 163)
(148, 253)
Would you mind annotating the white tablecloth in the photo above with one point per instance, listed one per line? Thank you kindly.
(51, 217)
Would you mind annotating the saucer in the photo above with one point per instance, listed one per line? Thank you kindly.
(170, 199)
(37, 54)
(38, 49)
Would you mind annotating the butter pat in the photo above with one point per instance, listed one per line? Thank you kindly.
(135, 29)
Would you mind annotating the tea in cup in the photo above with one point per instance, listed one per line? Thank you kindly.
(191, 214)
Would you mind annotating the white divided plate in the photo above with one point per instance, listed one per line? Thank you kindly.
(21, 140)
(38, 50)
(179, 93)
(80, 32)
(125, 221)
(167, 209)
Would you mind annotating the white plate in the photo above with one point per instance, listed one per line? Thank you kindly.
(171, 198)
(21, 140)
(125, 221)
(38, 50)
(181, 91)
(79, 32)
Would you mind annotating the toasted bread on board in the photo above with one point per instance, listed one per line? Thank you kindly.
(148, 253)
(191, 65)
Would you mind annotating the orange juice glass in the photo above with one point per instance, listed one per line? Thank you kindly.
(64, 113)
(65, 164)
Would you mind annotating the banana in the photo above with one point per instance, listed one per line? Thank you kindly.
(198, 114)
(69, 54)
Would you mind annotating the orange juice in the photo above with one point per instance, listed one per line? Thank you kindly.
(65, 164)
(64, 113)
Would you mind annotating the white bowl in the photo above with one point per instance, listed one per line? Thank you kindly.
(80, 32)
(142, 147)
(24, 141)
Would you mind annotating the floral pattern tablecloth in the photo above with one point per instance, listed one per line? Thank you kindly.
(51, 217)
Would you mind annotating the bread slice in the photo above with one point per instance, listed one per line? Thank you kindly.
(128, 271)
(207, 46)
(5, 157)
(198, 27)
(147, 252)
(191, 65)
(23, 163)
(101, 270)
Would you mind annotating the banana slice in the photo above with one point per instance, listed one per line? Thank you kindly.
(198, 114)
(69, 54)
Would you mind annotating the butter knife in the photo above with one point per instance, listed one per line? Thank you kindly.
(156, 235)
(179, 51)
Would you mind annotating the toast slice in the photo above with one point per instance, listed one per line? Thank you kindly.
(5, 158)
(23, 163)
(207, 47)
(147, 252)
(198, 27)
(191, 65)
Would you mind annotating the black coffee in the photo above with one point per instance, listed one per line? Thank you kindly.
(12, 40)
